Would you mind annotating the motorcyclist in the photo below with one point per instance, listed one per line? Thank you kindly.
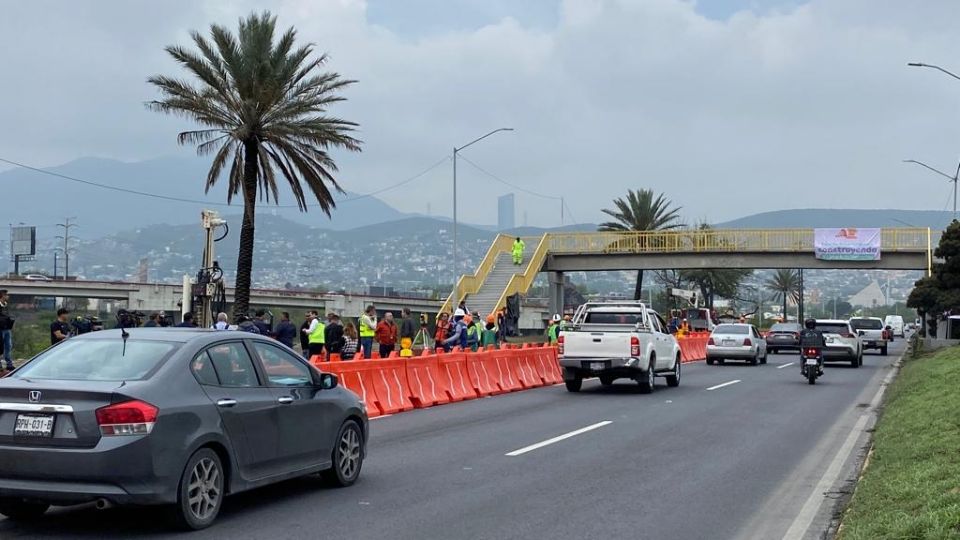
(811, 338)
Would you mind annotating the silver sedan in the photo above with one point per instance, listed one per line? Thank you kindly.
(736, 342)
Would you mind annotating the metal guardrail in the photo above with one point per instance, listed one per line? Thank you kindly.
(716, 240)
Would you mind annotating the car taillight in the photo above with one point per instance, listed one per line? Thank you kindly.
(133, 417)
(747, 342)
(711, 342)
(634, 346)
(796, 335)
(560, 344)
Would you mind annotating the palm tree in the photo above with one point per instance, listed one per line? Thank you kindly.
(641, 211)
(262, 104)
(785, 285)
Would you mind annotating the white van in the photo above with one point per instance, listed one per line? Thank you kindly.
(895, 322)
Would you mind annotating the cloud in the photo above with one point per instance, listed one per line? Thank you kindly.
(807, 106)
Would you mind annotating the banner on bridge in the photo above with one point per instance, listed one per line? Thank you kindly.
(849, 244)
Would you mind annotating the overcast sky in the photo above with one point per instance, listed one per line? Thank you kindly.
(730, 107)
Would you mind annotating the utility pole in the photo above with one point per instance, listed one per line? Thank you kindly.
(800, 306)
(67, 225)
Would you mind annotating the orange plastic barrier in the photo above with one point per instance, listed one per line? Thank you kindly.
(453, 368)
(357, 377)
(502, 369)
(427, 386)
(521, 361)
(548, 367)
(390, 381)
(478, 371)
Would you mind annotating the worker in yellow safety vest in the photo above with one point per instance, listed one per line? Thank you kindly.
(518, 247)
(368, 328)
(316, 334)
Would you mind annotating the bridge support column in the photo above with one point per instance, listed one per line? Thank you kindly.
(556, 293)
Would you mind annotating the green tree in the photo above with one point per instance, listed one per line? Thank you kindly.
(263, 105)
(785, 285)
(642, 211)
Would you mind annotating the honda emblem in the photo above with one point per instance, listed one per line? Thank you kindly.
(34, 396)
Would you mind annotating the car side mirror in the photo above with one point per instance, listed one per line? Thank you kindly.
(328, 381)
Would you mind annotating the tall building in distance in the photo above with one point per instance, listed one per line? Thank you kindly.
(506, 212)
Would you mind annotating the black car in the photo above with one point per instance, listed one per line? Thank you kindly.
(170, 416)
(783, 336)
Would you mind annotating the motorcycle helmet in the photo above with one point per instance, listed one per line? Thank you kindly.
(810, 324)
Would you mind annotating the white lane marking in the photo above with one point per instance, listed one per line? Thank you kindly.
(558, 438)
(728, 383)
(785, 365)
(811, 507)
(381, 416)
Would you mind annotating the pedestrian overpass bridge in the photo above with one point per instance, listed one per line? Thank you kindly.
(497, 278)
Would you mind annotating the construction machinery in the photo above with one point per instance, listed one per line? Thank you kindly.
(206, 295)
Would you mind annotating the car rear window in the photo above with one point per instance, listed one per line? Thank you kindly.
(785, 328)
(866, 324)
(731, 329)
(98, 360)
(833, 328)
(595, 317)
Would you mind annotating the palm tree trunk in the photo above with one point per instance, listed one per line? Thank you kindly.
(638, 289)
(785, 295)
(241, 304)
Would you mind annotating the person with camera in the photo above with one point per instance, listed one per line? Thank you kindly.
(60, 328)
(6, 330)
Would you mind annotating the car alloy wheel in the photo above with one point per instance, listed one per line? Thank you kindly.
(349, 453)
(205, 489)
(347, 456)
(201, 490)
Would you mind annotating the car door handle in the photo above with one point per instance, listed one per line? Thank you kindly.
(226, 403)
(285, 400)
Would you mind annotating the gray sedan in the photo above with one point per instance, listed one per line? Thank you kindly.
(170, 416)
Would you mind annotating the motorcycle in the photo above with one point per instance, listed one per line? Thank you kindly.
(812, 361)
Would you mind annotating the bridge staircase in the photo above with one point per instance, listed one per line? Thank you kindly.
(497, 278)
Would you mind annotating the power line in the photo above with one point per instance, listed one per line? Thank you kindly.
(569, 211)
(502, 181)
(210, 203)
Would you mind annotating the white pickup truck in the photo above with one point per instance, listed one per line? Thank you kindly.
(618, 340)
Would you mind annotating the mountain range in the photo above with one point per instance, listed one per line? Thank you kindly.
(118, 228)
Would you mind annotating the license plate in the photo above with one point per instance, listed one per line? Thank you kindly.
(597, 365)
(729, 343)
(34, 425)
(811, 361)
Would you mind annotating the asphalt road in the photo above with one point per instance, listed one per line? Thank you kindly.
(687, 462)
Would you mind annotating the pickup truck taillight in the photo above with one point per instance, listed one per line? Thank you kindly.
(634, 346)
(560, 344)
(747, 342)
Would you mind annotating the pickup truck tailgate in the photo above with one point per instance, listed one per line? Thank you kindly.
(587, 344)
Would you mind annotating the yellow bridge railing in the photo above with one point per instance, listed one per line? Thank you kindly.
(468, 285)
(915, 240)
(716, 240)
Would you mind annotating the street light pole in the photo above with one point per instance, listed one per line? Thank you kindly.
(953, 179)
(455, 297)
(931, 66)
(66, 247)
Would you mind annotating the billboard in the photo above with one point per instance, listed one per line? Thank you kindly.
(849, 244)
(23, 241)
